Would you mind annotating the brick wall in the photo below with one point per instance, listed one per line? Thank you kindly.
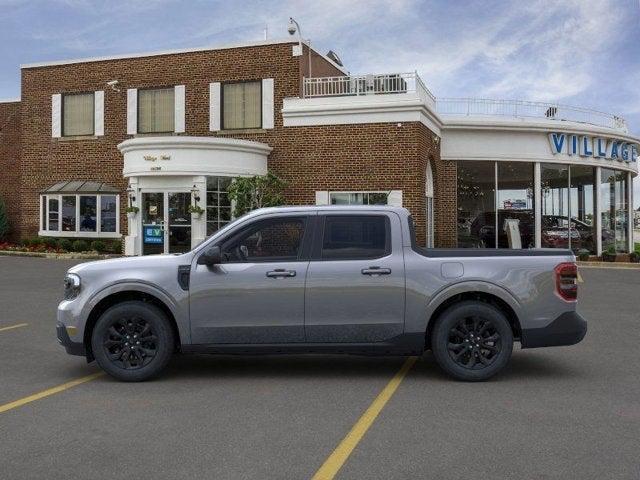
(9, 160)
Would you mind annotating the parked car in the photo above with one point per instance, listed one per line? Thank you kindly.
(483, 228)
(320, 280)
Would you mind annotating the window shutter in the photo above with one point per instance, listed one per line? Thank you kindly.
(395, 198)
(98, 112)
(322, 197)
(179, 99)
(215, 112)
(56, 115)
(267, 103)
(132, 111)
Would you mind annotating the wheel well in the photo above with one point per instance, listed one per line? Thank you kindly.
(497, 302)
(120, 297)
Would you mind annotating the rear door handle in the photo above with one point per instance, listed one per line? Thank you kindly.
(376, 271)
(281, 273)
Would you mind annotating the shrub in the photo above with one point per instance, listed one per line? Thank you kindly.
(610, 254)
(65, 244)
(50, 242)
(80, 246)
(35, 241)
(4, 221)
(98, 246)
(114, 247)
(25, 242)
(583, 254)
(634, 257)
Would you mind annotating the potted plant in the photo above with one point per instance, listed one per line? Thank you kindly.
(195, 210)
(583, 255)
(132, 211)
(610, 254)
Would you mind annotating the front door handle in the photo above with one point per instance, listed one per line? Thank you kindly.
(281, 273)
(376, 271)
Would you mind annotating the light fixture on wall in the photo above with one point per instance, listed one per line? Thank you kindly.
(195, 193)
(114, 85)
(132, 194)
(292, 29)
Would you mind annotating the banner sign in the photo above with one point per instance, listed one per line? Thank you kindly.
(153, 235)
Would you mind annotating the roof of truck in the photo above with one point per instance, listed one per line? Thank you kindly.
(354, 208)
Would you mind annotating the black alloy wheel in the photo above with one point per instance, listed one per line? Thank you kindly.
(130, 343)
(133, 341)
(472, 340)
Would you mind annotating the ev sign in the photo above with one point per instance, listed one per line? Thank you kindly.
(596, 147)
(153, 235)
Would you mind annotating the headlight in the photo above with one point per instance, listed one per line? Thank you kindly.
(71, 286)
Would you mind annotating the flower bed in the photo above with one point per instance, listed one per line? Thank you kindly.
(48, 245)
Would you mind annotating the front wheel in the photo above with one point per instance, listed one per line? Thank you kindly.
(472, 341)
(132, 341)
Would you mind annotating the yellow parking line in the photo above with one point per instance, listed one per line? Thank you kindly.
(580, 278)
(334, 463)
(51, 391)
(13, 326)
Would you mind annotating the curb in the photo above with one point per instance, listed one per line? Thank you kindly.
(59, 256)
(612, 265)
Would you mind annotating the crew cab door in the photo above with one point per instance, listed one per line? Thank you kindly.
(355, 283)
(256, 295)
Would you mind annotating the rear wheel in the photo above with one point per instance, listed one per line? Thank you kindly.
(472, 341)
(132, 341)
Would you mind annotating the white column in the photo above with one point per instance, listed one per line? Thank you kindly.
(537, 204)
(630, 211)
(133, 242)
(598, 210)
(199, 224)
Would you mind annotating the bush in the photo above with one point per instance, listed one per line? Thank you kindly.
(65, 244)
(583, 254)
(4, 221)
(80, 246)
(25, 242)
(35, 241)
(98, 246)
(610, 254)
(50, 242)
(114, 247)
(634, 257)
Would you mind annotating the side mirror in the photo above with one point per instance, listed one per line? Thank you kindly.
(211, 256)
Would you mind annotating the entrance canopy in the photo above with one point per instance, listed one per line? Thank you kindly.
(81, 186)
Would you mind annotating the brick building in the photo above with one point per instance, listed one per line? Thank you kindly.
(163, 131)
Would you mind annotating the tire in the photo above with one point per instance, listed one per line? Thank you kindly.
(132, 341)
(472, 341)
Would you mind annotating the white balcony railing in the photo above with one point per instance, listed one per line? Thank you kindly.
(526, 109)
(402, 83)
(356, 85)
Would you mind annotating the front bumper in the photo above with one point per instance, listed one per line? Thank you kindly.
(72, 348)
(568, 329)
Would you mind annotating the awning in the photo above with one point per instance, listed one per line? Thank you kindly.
(81, 186)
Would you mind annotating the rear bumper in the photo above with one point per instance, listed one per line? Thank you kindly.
(72, 348)
(568, 329)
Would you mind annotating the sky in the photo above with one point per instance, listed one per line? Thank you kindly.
(577, 52)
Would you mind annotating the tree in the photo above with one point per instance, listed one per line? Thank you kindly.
(4, 221)
(249, 193)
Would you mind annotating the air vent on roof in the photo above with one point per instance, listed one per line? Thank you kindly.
(334, 56)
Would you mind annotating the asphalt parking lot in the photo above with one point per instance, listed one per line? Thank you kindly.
(565, 413)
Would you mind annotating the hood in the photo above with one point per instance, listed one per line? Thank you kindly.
(132, 263)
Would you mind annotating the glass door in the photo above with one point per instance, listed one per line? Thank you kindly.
(153, 222)
(179, 222)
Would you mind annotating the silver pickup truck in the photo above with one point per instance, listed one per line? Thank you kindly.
(320, 280)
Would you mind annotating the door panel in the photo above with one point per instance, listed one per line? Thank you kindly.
(179, 222)
(355, 299)
(257, 295)
(153, 223)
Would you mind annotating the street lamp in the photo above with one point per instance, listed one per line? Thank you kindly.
(292, 29)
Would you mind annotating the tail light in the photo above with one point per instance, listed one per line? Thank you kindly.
(567, 281)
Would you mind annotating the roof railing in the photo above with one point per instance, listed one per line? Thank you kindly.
(527, 109)
(372, 84)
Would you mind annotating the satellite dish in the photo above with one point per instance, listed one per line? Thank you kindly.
(334, 56)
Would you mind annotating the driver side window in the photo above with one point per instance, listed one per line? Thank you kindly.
(271, 240)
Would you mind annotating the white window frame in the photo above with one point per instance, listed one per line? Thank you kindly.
(93, 117)
(44, 216)
(332, 192)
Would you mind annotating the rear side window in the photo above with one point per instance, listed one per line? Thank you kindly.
(351, 237)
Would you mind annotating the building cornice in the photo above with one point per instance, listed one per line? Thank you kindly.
(190, 143)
